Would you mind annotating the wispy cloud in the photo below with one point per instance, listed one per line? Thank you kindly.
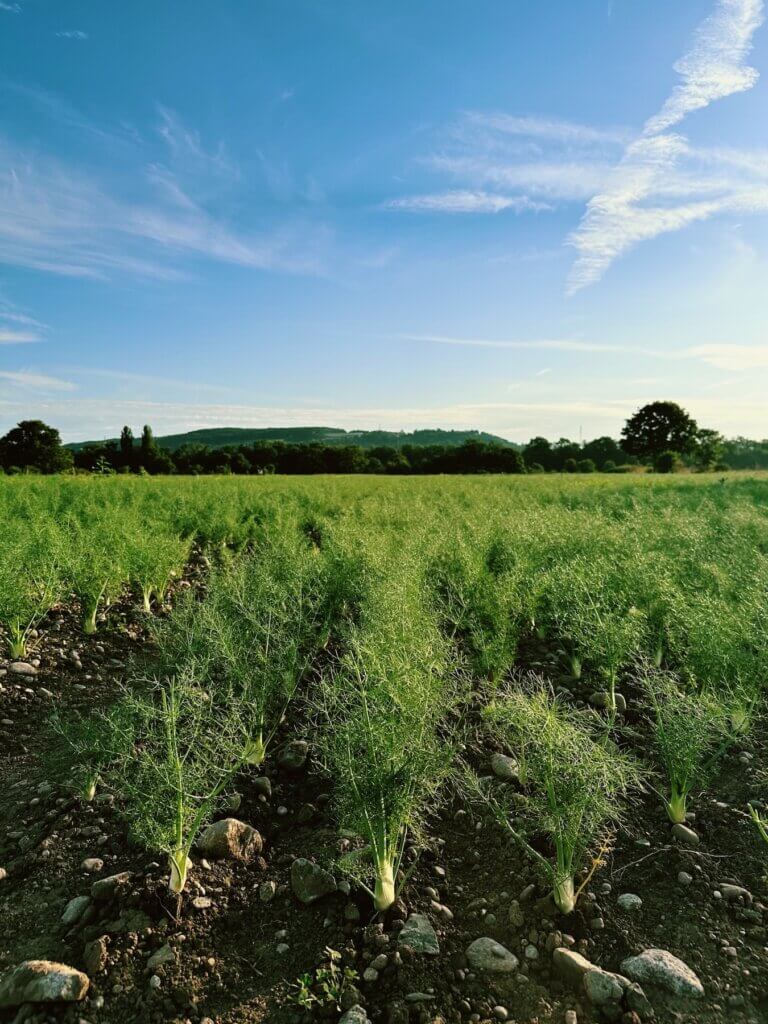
(55, 218)
(549, 128)
(715, 67)
(10, 8)
(74, 33)
(662, 184)
(464, 202)
(9, 337)
(724, 356)
(37, 382)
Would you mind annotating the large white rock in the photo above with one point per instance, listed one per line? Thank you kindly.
(42, 981)
(659, 967)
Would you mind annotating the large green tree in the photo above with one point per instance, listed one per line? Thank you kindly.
(34, 445)
(659, 427)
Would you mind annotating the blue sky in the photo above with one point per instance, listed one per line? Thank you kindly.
(524, 217)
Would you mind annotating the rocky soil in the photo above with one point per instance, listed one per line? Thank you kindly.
(673, 927)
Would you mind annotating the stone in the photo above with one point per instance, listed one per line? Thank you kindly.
(660, 967)
(490, 957)
(23, 668)
(92, 865)
(684, 878)
(75, 909)
(354, 1015)
(735, 892)
(516, 919)
(165, 955)
(3, 874)
(293, 756)
(202, 902)
(262, 786)
(310, 882)
(630, 902)
(602, 987)
(570, 965)
(418, 935)
(105, 889)
(95, 955)
(505, 768)
(685, 835)
(230, 839)
(267, 891)
(42, 981)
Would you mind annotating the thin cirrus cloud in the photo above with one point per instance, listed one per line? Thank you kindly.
(56, 218)
(662, 184)
(73, 33)
(729, 357)
(465, 202)
(10, 8)
(37, 382)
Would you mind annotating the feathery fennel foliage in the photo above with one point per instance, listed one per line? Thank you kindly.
(383, 706)
(575, 782)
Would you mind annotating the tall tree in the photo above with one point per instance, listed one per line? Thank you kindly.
(32, 444)
(659, 427)
(126, 441)
(148, 445)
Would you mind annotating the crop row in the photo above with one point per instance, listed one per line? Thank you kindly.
(404, 623)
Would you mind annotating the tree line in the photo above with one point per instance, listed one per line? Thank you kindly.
(660, 435)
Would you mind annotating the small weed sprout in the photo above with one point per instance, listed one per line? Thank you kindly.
(576, 784)
(690, 731)
(327, 986)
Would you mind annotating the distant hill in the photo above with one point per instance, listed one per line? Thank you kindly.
(222, 437)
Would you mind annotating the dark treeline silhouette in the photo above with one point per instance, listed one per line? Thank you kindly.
(660, 435)
(284, 457)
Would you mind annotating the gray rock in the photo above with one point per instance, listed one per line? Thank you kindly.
(659, 967)
(75, 909)
(3, 874)
(684, 878)
(22, 668)
(602, 987)
(735, 892)
(685, 835)
(42, 981)
(516, 919)
(95, 955)
(165, 955)
(418, 935)
(105, 889)
(630, 902)
(92, 864)
(310, 882)
(504, 767)
(570, 965)
(230, 839)
(262, 786)
(267, 891)
(354, 1015)
(489, 956)
(293, 755)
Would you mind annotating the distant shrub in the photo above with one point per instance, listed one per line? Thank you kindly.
(667, 462)
(609, 466)
(570, 466)
(586, 466)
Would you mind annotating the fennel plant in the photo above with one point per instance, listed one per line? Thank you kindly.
(575, 782)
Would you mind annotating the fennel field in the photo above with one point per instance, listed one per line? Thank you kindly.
(383, 749)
